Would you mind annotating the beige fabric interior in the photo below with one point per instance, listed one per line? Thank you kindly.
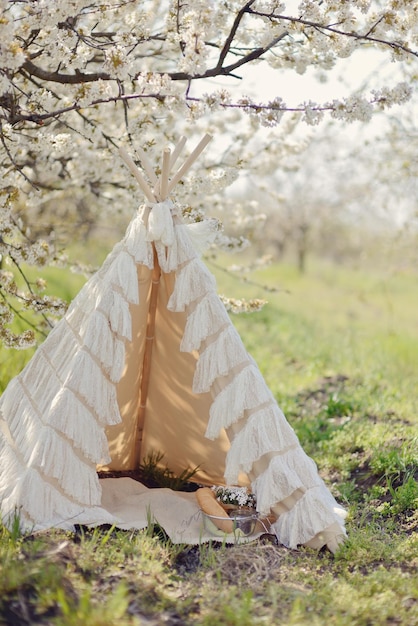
(175, 418)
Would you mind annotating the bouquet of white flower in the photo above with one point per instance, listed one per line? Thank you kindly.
(235, 496)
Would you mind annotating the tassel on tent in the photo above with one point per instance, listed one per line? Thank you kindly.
(136, 242)
(118, 365)
(246, 391)
(116, 309)
(62, 349)
(264, 432)
(314, 513)
(41, 502)
(123, 275)
(192, 282)
(88, 380)
(61, 336)
(9, 402)
(280, 484)
(164, 263)
(10, 468)
(172, 257)
(43, 397)
(105, 346)
(285, 473)
(189, 242)
(208, 317)
(22, 420)
(54, 456)
(98, 339)
(86, 299)
(182, 250)
(37, 375)
(220, 356)
(25, 427)
(76, 421)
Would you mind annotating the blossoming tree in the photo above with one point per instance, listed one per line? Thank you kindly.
(79, 78)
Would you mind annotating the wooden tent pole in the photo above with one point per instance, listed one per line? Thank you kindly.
(165, 171)
(146, 367)
(147, 166)
(177, 151)
(189, 161)
(135, 171)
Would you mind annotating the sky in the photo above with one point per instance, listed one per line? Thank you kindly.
(365, 68)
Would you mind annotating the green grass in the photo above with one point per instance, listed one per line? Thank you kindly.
(338, 348)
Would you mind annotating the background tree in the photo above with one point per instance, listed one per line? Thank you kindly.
(79, 78)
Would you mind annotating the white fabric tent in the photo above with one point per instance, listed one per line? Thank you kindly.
(147, 359)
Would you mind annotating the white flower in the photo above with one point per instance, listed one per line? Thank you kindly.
(312, 114)
(116, 62)
(239, 496)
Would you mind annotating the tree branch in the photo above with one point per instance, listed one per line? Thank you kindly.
(322, 27)
(228, 69)
(65, 79)
(227, 45)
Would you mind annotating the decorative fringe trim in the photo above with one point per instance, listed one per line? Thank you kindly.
(186, 251)
(55, 457)
(180, 252)
(10, 468)
(192, 281)
(38, 500)
(248, 390)
(98, 339)
(22, 419)
(60, 348)
(208, 318)
(312, 514)
(37, 373)
(87, 379)
(162, 254)
(119, 317)
(42, 397)
(218, 359)
(102, 343)
(286, 472)
(74, 420)
(75, 319)
(265, 431)
(84, 301)
(118, 365)
(167, 257)
(123, 274)
(136, 241)
(23, 493)
(11, 396)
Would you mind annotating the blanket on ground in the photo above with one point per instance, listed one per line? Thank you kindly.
(131, 505)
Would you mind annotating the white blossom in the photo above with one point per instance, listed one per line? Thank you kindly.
(312, 113)
(78, 78)
(117, 63)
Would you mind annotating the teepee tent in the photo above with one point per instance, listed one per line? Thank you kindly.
(146, 359)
